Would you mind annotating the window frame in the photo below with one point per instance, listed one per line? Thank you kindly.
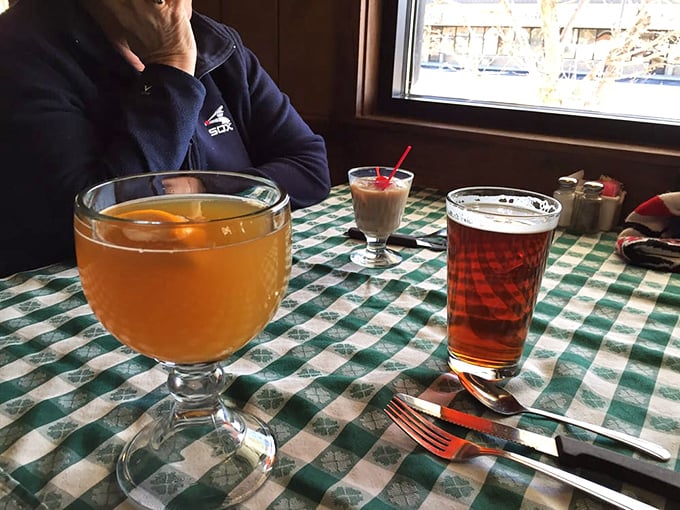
(512, 121)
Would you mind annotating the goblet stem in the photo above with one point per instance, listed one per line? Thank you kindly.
(375, 247)
(202, 450)
(197, 401)
(196, 384)
(375, 254)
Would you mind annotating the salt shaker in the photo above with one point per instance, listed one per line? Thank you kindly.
(565, 195)
(586, 214)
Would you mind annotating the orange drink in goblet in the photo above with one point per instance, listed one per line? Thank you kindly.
(188, 278)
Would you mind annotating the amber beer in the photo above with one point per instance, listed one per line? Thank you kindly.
(498, 246)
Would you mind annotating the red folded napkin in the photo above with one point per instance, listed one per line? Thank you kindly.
(651, 234)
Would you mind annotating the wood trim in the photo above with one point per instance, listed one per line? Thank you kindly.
(367, 86)
(545, 142)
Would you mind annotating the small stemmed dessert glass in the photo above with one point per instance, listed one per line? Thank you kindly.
(378, 202)
(186, 268)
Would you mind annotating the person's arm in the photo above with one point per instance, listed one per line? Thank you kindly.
(58, 137)
(62, 144)
(281, 144)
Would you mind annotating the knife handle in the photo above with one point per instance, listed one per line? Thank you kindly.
(649, 476)
(395, 239)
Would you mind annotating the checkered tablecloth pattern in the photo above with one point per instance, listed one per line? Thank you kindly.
(604, 346)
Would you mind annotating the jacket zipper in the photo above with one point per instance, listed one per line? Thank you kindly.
(192, 156)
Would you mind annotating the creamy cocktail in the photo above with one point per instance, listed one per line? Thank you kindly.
(378, 203)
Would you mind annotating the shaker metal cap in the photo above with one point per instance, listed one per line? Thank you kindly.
(567, 182)
(593, 187)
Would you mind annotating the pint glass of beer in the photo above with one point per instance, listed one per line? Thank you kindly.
(498, 241)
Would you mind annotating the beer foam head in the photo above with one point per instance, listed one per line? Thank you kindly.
(503, 210)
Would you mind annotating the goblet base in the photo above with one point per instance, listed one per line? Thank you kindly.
(375, 259)
(212, 460)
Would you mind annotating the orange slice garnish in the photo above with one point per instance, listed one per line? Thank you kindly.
(157, 230)
(153, 215)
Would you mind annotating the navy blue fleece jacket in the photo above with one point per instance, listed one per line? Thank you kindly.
(73, 112)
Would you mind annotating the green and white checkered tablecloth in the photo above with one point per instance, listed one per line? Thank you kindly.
(604, 346)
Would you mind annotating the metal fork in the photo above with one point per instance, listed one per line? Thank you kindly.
(443, 444)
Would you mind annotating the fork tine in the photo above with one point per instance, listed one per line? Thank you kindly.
(391, 411)
(427, 426)
(412, 425)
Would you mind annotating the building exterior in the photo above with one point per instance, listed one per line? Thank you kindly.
(623, 38)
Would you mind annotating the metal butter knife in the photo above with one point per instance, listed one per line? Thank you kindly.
(569, 452)
(433, 242)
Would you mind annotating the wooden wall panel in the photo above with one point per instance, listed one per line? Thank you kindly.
(210, 8)
(258, 23)
(307, 54)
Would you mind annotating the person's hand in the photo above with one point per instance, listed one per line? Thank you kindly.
(156, 33)
(175, 185)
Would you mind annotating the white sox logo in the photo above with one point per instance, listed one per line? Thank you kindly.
(217, 123)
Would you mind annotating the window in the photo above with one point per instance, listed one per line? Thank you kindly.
(600, 69)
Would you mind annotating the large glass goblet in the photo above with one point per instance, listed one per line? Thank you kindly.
(186, 268)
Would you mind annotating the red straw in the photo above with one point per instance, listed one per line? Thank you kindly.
(401, 160)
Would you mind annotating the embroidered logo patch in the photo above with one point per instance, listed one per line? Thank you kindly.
(217, 123)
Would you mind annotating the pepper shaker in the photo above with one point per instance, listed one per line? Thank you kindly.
(565, 195)
(586, 214)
